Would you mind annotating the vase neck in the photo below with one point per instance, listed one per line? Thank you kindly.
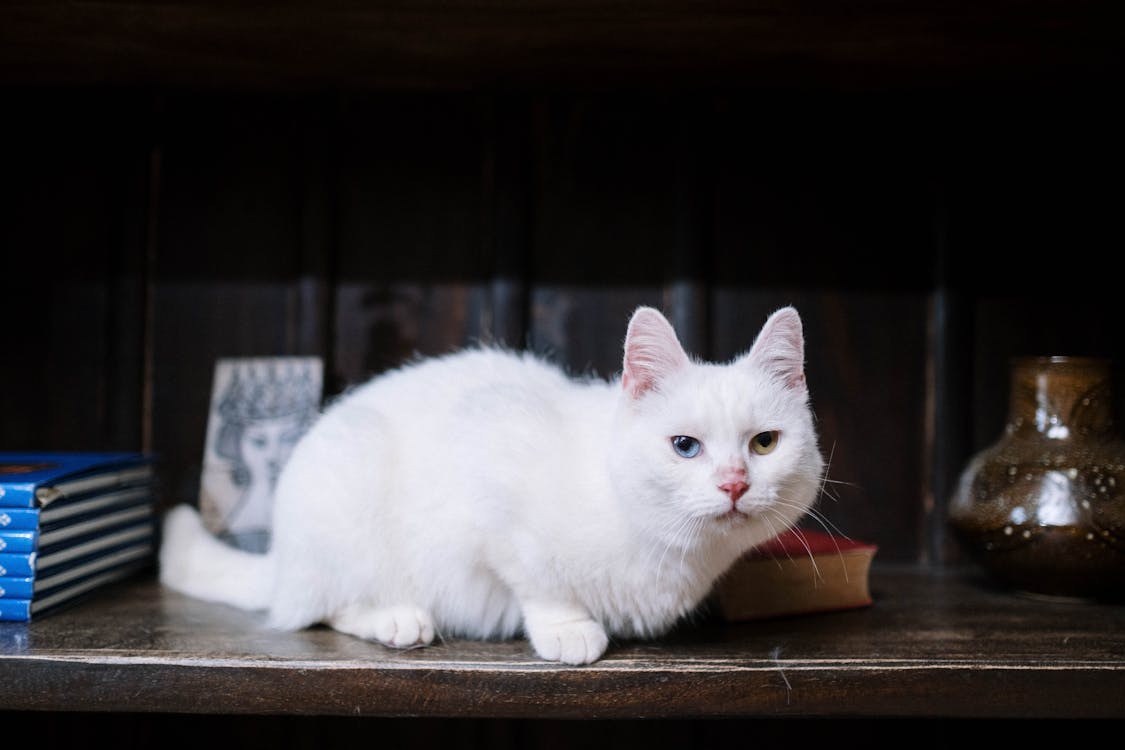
(1060, 397)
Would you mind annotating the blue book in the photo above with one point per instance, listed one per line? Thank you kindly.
(38, 480)
(19, 541)
(15, 610)
(90, 536)
(17, 587)
(70, 522)
(22, 609)
(17, 563)
(59, 531)
(71, 511)
(29, 587)
(67, 553)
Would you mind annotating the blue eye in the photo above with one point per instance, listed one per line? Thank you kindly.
(686, 446)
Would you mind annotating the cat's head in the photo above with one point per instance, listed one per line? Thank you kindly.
(706, 451)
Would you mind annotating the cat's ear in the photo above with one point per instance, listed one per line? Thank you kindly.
(652, 352)
(780, 347)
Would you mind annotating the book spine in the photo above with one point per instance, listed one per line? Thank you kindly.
(17, 496)
(17, 588)
(17, 564)
(22, 519)
(15, 610)
(18, 541)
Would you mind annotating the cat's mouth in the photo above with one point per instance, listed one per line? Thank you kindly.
(734, 515)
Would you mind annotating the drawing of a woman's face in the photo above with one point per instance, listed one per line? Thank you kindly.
(266, 445)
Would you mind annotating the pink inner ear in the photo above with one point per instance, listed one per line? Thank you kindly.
(652, 352)
(780, 347)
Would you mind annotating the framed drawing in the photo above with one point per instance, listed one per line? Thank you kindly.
(260, 408)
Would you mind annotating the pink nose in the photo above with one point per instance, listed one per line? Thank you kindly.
(735, 489)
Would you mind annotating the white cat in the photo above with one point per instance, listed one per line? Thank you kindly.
(485, 494)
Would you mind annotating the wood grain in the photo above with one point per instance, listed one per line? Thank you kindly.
(480, 43)
(933, 644)
(71, 274)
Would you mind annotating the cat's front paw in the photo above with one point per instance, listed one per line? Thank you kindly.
(397, 627)
(577, 642)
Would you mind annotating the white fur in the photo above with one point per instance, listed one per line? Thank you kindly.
(485, 493)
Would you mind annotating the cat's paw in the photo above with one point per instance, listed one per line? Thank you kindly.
(398, 627)
(576, 642)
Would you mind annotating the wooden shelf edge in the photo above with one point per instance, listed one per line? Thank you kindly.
(933, 645)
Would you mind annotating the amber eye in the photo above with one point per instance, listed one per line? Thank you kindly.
(764, 442)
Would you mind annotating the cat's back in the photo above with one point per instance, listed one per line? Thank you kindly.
(447, 381)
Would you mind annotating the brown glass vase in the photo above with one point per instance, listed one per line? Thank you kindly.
(1043, 508)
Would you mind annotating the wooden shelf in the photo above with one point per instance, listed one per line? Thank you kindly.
(936, 644)
(474, 43)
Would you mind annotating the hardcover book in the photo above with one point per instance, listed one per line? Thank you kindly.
(71, 510)
(36, 480)
(28, 587)
(19, 541)
(50, 559)
(132, 556)
(70, 523)
(24, 609)
(800, 572)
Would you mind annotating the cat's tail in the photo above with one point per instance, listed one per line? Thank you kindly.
(194, 562)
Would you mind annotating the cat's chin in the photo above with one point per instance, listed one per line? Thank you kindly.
(732, 516)
(745, 514)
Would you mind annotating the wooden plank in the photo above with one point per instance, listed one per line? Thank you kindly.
(621, 220)
(412, 275)
(481, 43)
(1029, 236)
(507, 221)
(73, 310)
(321, 732)
(933, 645)
(227, 274)
(838, 223)
(949, 393)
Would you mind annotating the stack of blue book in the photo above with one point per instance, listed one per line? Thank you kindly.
(71, 523)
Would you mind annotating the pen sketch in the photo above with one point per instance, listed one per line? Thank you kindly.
(260, 407)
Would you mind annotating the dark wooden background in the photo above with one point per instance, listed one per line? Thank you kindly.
(935, 190)
(937, 187)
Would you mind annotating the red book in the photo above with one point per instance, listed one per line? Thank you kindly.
(802, 571)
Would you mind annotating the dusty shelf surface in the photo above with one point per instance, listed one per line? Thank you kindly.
(935, 643)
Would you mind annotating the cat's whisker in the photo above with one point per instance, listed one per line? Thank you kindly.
(689, 534)
(820, 518)
(825, 492)
(674, 530)
(833, 530)
(827, 524)
(652, 551)
(824, 474)
(825, 480)
(805, 543)
(695, 531)
(774, 532)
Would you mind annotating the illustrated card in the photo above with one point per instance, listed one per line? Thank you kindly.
(260, 408)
